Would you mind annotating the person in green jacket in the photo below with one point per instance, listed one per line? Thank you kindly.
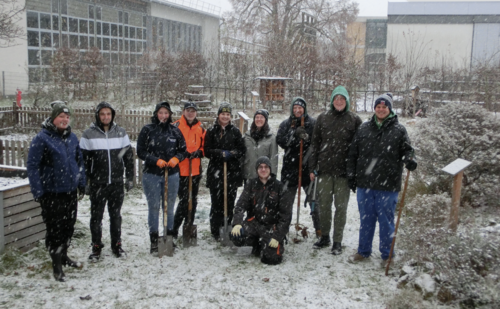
(333, 133)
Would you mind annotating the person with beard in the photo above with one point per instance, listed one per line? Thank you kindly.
(289, 136)
(107, 154)
(194, 134)
(259, 141)
(268, 206)
(56, 175)
(161, 146)
(223, 143)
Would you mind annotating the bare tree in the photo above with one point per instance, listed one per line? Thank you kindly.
(10, 14)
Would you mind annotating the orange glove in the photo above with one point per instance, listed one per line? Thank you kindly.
(173, 162)
(161, 163)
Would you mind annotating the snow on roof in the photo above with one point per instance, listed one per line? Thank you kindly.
(444, 8)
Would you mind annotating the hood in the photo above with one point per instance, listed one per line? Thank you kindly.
(342, 91)
(154, 119)
(98, 109)
(293, 101)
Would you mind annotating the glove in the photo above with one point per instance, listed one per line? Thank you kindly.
(173, 162)
(196, 154)
(226, 154)
(236, 231)
(273, 243)
(411, 165)
(301, 133)
(129, 184)
(161, 163)
(87, 190)
(352, 184)
(81, 193)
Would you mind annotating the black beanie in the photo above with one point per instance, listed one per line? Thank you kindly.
(385, 99)
(59, 107)
(262, 112)
(225, 107)
(263, 160)
(300, 102)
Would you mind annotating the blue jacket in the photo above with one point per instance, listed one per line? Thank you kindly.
(55, 162)
(160, 141)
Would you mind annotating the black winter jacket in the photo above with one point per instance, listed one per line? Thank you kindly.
(291, 144)
(377, 156)
(270, 205)
(106, 154)
(160, 141)
(216, 140)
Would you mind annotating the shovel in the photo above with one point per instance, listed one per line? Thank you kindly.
(165, 243)
(224, 231)
(189, 232)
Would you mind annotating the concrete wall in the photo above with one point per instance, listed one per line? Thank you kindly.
(208, 23)
(431, 44)
(14, 62)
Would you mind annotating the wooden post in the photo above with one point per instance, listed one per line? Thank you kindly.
(455, 200)
(456, 168)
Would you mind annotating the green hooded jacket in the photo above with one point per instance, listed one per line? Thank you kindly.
(342, 91)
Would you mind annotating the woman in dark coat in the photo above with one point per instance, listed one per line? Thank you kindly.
(223, 143)
(57, 179)
(161, 146)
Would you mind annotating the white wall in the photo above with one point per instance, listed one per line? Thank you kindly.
(432, 44)
(15, 61)
(208, 23)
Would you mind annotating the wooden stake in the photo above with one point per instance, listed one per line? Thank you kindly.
(455, 200)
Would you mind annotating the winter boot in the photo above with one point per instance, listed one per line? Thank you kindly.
(336, 248)
(96, 252)
(118, 251)
(57, 265)
(324, 241)
(256, 248)
(154, 242)
(66, 261)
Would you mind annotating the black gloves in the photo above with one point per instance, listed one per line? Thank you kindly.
(196, 154)
(352, 184)
(129, 184)
(81, 193)
(301, 133)
(411, 165)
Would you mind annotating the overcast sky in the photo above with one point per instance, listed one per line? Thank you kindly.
(366, 7)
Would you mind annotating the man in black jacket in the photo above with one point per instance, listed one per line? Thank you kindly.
(290, 134)
(268, 208)
(106, 151)
(223, 143)
(380, 149)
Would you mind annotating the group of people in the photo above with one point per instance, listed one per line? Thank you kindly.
(338, 153)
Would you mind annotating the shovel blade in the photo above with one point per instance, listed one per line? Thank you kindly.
(166, 246)
(189, 235)
(224, 236)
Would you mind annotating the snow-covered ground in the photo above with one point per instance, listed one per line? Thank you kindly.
(206, 276)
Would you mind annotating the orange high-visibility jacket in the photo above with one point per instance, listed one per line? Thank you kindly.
(195, 139)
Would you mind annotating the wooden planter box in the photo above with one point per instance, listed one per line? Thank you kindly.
(20, 217)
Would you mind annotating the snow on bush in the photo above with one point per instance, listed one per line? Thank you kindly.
(464, 131)
(465, 265)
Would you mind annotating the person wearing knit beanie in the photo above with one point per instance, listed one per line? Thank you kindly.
(59, 107)
(385, 99)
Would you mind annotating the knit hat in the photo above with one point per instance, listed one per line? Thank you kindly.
(190, 104)
(343, 92)
(300, 102)
(225, 107)
(59, 107)
(262, 112)
(263, 160)
(385, 99)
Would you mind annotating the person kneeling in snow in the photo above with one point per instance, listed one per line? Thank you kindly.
(268, 208)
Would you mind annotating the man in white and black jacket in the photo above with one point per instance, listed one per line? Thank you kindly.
(107, 152)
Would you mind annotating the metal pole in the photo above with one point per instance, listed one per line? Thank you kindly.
(3, 84)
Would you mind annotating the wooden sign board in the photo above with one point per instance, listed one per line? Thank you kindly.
(244, 116)
(456, 166)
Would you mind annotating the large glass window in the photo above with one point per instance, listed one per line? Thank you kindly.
(65, 40)
(132, 32)
(105, 44)
(132, 46)
(32, 19)
(114, 44)
(84, 28)
(91, 27)
(91, 12)
(84, 42)
(55, 40)
(98, 28)
(114, 30)
(64, 23)
(98, 13)
(105, 29)
(55, 22)
(45, 21)
(33, 38)
(33, 57)
(46, 57)
(46, 39)
(73, 25)
(73, 41)
(99, 43)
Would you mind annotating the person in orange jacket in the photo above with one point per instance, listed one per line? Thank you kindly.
(194, 135)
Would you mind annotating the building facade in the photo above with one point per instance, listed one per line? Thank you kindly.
(122, 30)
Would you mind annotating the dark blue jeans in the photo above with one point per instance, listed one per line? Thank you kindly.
(376, 205)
